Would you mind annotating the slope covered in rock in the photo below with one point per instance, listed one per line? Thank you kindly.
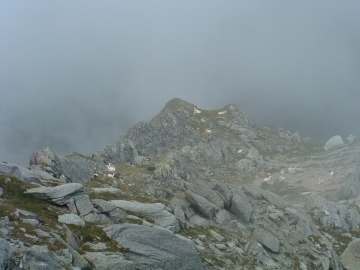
(190, 189)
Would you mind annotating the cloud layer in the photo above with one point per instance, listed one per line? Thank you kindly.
(75, 75)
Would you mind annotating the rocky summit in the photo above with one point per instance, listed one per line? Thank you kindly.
(190, 189)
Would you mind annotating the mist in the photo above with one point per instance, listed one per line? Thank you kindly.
(75, 75)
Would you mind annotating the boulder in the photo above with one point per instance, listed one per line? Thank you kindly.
(267, 239)
(223, 217)
(199, 221)
(153, 248)
(155, 211)
(205, 190)
(38, 257)
(261, 255)
(350, 258)
(253, 191)
(180, 216)
(224, 192)
(274, 199)
(240, 206)
(111, 211)
(57, 194)
(71, 219)
(84, 205)
(334, 142)
(72, 194)
(353, 219)
(205, 207)
(20, 172)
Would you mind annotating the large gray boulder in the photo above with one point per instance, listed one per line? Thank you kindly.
(20, 172)
(240, 206)
(205, 190)
(155, 211)
(267, 239)
(153, 248)
(350, 258)
(334, 142)
(205, 207)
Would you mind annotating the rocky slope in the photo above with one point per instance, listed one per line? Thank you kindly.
(186, 190)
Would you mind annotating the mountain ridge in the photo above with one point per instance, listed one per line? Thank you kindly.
(236, 194)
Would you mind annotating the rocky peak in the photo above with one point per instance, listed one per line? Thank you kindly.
(223, 192)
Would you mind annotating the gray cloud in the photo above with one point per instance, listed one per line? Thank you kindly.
(75, 75)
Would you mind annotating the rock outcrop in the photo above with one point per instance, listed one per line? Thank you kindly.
(26, 175)
(152, 248)
(155, 211)
(350, 258)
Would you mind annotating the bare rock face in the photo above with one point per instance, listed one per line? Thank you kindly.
(240, 206)
(350, 258)
(204, 190)
(267, 239)
(153, 248)
(76, 168)
(20, 172)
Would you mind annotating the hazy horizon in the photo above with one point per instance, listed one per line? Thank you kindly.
(75, 75)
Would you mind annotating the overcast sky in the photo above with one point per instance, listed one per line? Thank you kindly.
(75, 75)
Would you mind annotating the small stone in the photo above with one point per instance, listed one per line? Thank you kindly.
(31, 221)
(221, 247)
(71, 219)
(217, 236)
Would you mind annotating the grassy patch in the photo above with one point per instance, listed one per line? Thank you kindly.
(94, 234)
(15, 198)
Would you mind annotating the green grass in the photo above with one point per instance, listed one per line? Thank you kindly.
(94, 234)
(15, 198)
